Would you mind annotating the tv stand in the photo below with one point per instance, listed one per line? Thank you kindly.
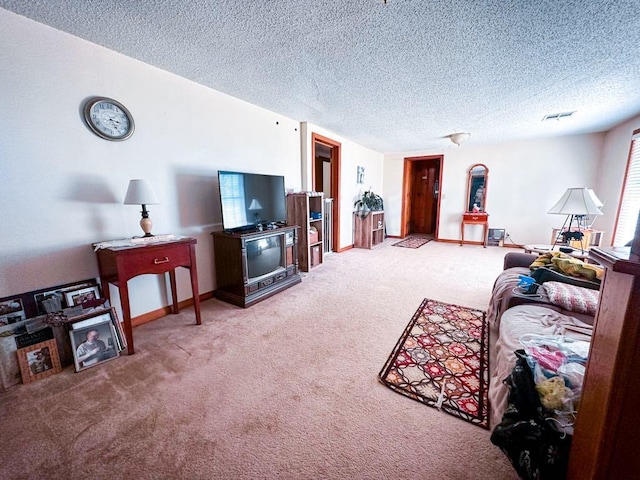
(236, 261)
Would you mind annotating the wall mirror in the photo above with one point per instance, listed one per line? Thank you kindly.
(477, 181)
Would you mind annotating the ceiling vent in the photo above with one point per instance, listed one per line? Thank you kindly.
(557, 116)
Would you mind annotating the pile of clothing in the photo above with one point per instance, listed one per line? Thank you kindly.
(544, 392)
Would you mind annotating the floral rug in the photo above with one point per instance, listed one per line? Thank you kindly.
(442, 360)
(412, 242)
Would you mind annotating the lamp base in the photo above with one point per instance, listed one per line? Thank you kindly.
(146, 224)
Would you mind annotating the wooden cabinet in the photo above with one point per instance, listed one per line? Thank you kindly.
(368, 231)
(255, 265)
(306, 210)
(605, 437)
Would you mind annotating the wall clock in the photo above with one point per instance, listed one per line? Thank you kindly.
(108, 118)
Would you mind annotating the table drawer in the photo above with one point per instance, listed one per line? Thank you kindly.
(475, 217)
(155, 260)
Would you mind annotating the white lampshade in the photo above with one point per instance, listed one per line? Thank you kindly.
(577, 201)
(459, 138)
(140, 192)
(255, 205)
(595, 198)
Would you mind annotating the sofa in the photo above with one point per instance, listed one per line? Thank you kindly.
(512, 314)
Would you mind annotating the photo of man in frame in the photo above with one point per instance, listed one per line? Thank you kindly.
(93, 345)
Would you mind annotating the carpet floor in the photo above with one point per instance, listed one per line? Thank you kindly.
(285, 389)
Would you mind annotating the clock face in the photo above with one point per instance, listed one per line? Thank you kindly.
(108, 119)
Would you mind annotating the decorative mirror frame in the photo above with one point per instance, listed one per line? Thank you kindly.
(473, 185)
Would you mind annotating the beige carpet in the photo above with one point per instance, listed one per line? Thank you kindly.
(285, 389)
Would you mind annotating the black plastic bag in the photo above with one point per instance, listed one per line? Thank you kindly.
(535, 449)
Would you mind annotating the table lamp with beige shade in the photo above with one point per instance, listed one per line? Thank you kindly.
(141, 192)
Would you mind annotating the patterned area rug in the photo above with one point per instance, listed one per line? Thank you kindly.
(442, 360)
(412, 242)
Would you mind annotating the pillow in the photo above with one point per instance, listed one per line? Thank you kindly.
(572, 298)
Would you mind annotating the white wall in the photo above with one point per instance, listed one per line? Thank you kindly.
(611, 172)
(525, 179)
(62, 187)
(352, 156)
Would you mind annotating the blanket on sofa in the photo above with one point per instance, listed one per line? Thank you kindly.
(563, 263)
(512, 325)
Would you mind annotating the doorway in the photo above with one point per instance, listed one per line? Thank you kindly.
(422, 183)
(325, 177)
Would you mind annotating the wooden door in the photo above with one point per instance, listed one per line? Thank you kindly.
(333, 149)
(424, 197)
(421, 195)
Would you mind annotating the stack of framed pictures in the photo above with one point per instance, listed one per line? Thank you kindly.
(23, 326)
(67, 296)
(96, 337)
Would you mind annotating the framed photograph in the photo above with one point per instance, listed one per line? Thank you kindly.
(94, 340)
(360, 176)
(11, 311)
(82, 295)
(39, 361)
(100, 315)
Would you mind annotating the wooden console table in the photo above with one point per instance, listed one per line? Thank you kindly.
(475, 219)
(118, 265)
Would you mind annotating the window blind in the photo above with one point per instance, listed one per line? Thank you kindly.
(630, 199)
(232, 193)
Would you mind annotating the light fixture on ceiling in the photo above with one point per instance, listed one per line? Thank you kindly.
(459, 138)
(140, 192)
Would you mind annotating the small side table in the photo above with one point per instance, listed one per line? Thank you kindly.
(481, 218)
(118, 265)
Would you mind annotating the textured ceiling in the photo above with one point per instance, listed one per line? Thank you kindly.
(394, 77)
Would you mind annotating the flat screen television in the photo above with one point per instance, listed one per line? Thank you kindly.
(251, 199)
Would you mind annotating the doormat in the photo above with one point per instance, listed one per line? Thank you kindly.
(412, 242)
(442, 360)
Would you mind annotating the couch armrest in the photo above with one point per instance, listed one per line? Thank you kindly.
(518, 259)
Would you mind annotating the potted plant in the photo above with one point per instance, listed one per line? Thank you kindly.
(367, 202)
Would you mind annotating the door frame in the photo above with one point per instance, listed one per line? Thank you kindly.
(407, 177)
(336, 155)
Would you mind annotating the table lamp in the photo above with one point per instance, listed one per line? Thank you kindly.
(255, 207)
(575, 203)
(140, 192)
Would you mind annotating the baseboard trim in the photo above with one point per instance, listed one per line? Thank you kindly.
(164, 311)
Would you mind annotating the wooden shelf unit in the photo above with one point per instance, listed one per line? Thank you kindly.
(368, 232)
(300, 207)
